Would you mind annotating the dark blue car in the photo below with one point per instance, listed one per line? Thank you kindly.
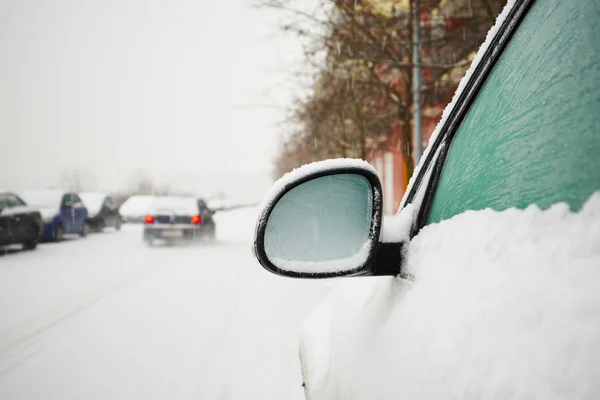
(62, 211)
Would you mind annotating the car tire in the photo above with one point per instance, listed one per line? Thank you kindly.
(58, 233)
(118, 225)
(99, 226)
(85, 231)
(32, 243)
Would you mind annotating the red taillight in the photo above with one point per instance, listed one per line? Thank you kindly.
(196, 219)
(149, 219)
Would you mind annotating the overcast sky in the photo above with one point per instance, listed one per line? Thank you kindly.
(111, 87)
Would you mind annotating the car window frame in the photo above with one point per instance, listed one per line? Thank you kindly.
(8, 196)
(76, 200)
(109, 203)
(459, 110)
(66, 198)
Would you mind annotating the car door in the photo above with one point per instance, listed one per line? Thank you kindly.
(5, 228)
(79, 212)
(109, 211)
(67, 213)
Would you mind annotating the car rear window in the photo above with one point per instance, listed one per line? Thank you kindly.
(532, 133)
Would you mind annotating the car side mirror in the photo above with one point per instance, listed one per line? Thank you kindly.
(322, 220)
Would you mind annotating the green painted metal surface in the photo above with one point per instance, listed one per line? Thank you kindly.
(533, 133)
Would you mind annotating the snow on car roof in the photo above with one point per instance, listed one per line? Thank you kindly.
(136, 206)
(43, 198)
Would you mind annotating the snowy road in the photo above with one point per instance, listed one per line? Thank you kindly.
(108, 318)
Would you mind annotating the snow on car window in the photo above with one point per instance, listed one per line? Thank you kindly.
(504, 304)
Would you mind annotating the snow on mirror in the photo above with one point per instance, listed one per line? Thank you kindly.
(321, 225)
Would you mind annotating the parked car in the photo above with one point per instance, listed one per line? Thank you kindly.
(102, 211)
(62, 212)
(485, 284)
(175, 219)
(19, 224)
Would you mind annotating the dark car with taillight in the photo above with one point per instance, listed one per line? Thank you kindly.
(19, 223)
(102, 211)
(173, 219)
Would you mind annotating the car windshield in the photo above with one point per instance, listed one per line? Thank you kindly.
(43, 199)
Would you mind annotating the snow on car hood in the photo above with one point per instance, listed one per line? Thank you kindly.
(504, 305)
(48, 212)
(16, 210)
(92, 202)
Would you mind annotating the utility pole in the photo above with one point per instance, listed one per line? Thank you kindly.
(416, 83)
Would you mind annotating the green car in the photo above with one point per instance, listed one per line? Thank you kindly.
(489, 275)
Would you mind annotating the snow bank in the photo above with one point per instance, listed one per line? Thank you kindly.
(505, 305)
(236, 226)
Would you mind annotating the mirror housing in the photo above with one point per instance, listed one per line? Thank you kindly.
(345, 186)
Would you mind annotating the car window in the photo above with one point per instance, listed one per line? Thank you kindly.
(531, 135)
(66, 199)
(3, 203)
(76, 198)
(109, 203)
(14, 201)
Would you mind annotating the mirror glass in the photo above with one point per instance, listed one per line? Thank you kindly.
(322, 225)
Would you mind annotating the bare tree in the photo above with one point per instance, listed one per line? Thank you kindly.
(360, 52)
(72, 180)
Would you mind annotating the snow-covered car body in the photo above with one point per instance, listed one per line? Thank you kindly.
(19, 223)
(497, 293)
(102, 210)
(135, 208)
(178, 218)
(62, 211)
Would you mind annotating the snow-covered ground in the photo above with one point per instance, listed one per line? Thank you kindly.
(107, 318)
